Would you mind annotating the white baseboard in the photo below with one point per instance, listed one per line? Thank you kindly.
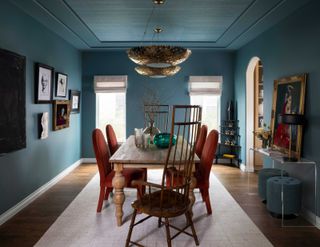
(243, 167)
(89, 160)
(34, 195)
(311, 217)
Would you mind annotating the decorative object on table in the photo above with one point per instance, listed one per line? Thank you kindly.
(138, 138)
(12, 101)
(288, 98)
(230, 111)
(43, 122)
(156, 115)
(61, 85)
(162, 140)
(157, 61)
(152, 130)
(74, 97)
(146, 140)
(264, 134)
(294, 121)
(61, 114)
(43, 83)
(229, 147)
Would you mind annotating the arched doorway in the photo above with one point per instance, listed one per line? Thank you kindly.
(254, 111)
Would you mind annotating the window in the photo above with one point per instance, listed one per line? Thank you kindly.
(111, 104)
(205, 91)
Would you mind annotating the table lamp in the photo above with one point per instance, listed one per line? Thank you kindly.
(290, 119)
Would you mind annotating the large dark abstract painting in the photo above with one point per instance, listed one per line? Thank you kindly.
(12, 101)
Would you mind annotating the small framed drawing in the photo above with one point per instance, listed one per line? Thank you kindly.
(61, 114)
(74, 97)
(61, 85)
(43, 83)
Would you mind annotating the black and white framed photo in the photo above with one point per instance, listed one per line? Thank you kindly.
(61, 85)
(43, 83)
(74, 97)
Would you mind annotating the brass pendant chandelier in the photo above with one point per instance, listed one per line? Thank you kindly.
(158, 61)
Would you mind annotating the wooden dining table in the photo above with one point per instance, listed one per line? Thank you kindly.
(128, 155)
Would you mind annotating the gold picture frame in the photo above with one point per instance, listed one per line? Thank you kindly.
(288, 98)
(61, 114)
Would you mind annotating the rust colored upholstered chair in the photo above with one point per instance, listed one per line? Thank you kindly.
(202, 174)
(201, 140)
(107, 173)
(202, 171)
(112, 139)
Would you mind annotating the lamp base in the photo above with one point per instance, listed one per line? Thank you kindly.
(289, 159)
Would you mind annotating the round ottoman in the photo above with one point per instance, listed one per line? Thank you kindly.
(264, 175)
(291, 195)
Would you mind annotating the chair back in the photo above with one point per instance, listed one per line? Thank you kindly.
(208, 154)
(158, 115)
(186, 122)
(112, 139)
(201, 139)
(102, 154)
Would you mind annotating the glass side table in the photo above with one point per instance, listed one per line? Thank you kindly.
(308, 207)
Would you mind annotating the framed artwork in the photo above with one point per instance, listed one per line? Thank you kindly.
(43, 123)
(288, 98)
(61, 114)
(74, 97)
(61, 85)
(43, 83)
(12, 101)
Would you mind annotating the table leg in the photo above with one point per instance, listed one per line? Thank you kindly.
(118, 183)
(192, 198)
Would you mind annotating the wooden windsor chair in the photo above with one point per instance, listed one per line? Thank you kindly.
(169, 200)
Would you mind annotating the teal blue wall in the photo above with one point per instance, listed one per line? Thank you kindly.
(23, 171)
(172, 90)
(291, 47)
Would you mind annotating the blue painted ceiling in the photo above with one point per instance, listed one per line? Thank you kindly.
(114, 24)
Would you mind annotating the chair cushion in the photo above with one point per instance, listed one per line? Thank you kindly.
(290, 188)
(173, 204)
(129, 175)
(264, 174)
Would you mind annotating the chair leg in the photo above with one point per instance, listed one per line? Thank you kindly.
(131, 227)
(189, 219)
(207, 200)
(159, 222)
(168, 232)
(108, 191)
(101, 197)
(202, 195)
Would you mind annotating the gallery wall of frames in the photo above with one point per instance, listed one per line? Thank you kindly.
(50, 87)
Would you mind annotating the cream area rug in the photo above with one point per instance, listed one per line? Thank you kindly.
(80, 225)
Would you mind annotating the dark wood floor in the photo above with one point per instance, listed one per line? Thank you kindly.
(27, 227)
(244, 189)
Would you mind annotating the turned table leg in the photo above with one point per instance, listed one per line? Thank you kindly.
(118, 183)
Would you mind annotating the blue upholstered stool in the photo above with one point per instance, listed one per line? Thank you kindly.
(291, 195)
(264, 174)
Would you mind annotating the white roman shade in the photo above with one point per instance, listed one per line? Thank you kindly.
(110, 84)
(205, 85)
